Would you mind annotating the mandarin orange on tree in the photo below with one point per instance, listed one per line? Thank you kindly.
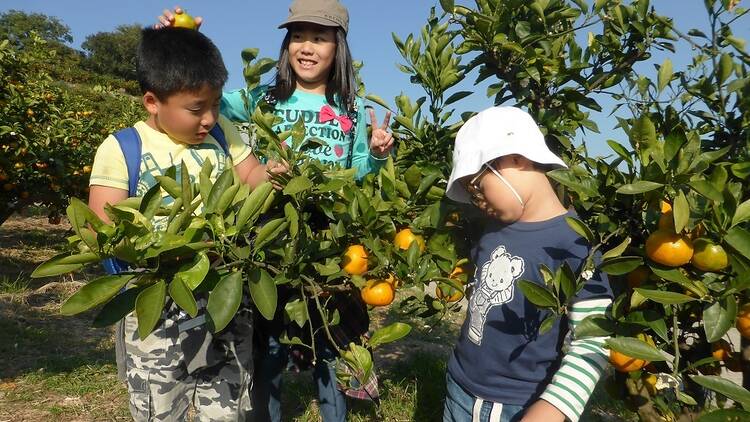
(743, 321)
(378, 293)
(668, 248)
(709, 256)
(406, 237)
(355, 260)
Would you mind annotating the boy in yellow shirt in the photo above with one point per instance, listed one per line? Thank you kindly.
(181, 75)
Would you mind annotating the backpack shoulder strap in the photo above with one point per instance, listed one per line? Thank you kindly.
(130, 144)
(218, 133)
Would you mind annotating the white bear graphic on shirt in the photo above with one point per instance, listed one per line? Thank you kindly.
(495, 286)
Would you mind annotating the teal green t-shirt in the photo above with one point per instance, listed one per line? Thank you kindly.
(322, 121)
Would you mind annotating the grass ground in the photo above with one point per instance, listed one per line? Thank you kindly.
(60, 368)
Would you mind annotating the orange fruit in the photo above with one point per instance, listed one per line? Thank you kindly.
(639, 275)
(709, 256)
(24, 195)
(355, 260)
(666, 219)
(183, 20)
(743, 321)
(406, 237)
(86, 169)
(670, 249)
(378, 293)
(9, 186)
(452, 295)
(624, 363)
(3, 177)
(721, 350)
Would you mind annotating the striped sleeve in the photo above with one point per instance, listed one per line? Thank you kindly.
(582, 366)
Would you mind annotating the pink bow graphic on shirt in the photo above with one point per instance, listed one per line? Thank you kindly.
(327, 114)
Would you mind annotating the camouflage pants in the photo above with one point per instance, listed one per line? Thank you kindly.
(161, 387)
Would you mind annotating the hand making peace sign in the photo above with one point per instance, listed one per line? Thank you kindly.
(381, 141)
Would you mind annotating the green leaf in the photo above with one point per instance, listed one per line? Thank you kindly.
(297, 185)
(681, 212)
(389, 334)
(292, 216)
(706, 189)
(269, 232)
(540, 296)
(296, 311)
(620, 265)
(581, 228)
(547, 324)
(665, 298)
(725, 387)
(151, 202)
(617, 250)
(186, 186)
(224, 182)
(224, 300)
(665, 75)
(718, 318)
(635, 348)
(149, 306)
(457, 97)
(725, 415)
(377, 100)
(193, 274)
(725, 68)
(742, 213)
(739, 239)
(684, 398)
(170, 186)
(640, 186)
(204, 180)
(64, 263)
(183, 297)
(447, 5)
(94, 294)
(263, 292)
(117, 308)
(595, 326)
(252, 206)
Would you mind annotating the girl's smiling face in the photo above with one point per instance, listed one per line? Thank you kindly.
(312, 50)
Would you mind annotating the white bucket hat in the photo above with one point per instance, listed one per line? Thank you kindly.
(493, 133)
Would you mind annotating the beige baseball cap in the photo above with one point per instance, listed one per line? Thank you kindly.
(321, 12)
(493, 133)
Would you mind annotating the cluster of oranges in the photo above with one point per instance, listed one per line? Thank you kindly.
(666, 247)
(378, 292)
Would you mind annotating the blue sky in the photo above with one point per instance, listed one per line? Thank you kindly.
(237, 24)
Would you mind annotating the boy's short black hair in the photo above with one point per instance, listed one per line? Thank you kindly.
(171, 60)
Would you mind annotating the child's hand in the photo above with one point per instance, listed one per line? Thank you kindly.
(274, 168)
(381, 141)
(167, 18)
(543, 411)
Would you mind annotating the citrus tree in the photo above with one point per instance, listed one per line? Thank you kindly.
(49, 130)
(668, 208)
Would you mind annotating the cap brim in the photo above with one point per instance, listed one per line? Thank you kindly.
(309, 19)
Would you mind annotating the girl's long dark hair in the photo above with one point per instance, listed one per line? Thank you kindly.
(340, 88)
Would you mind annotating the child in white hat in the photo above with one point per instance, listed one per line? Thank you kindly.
(503, 368)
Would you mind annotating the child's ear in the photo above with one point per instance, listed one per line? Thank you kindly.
(151, 103)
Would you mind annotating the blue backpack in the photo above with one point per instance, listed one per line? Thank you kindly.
(130, 144)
